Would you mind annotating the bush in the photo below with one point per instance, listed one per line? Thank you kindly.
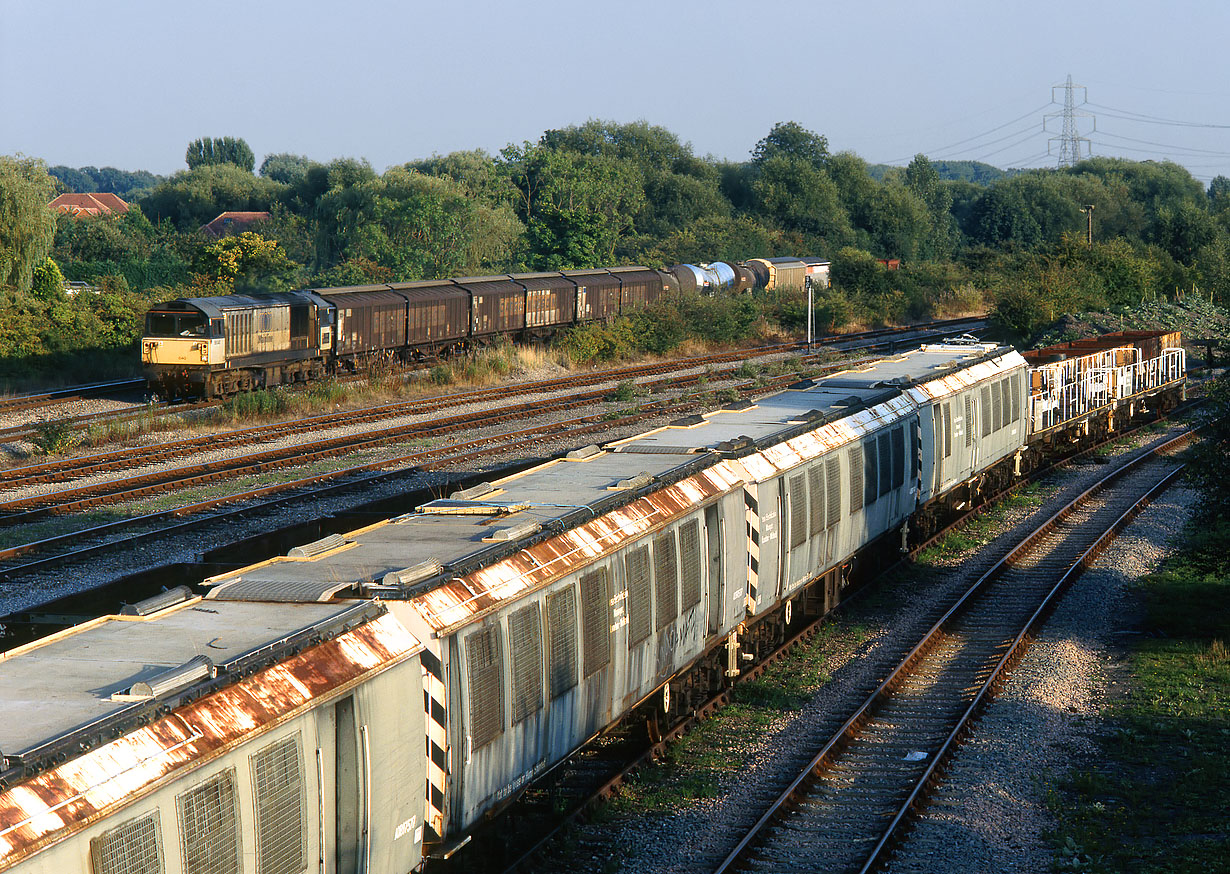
(833, 311)
(586, 344)
(54, 436)
(1021, 311)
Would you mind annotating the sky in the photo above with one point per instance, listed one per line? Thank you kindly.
(129, 83)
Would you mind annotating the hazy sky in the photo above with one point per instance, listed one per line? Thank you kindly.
(128, 83)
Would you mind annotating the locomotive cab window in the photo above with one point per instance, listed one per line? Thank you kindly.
(176, 325)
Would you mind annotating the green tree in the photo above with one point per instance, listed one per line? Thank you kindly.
(475, 171)
(1182, 230)
(244, 263)
(923, 179)
(1219, 194)
(193, 198)
(417, 226)
(1001, 218)
(791, 140)
(210, 151)
(576, 207)
(854, 271)
(793, 193)
(27, 227)
(286, 168)
(898, 222)
(648, 146)
(1212, 265)
(48, 284)
(718, 238)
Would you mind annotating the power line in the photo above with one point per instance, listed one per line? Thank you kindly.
(1022, 161)
(995, 129)
(1009, 146)
(1129, 115)
(1032, 129)
(1192, 149)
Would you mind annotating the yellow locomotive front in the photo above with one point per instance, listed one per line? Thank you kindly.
(180, 347)
(215, 346)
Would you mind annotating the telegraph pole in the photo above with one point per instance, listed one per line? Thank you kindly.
(1088, 211)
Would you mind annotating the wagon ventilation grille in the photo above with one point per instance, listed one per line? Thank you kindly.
(318, 547)
(132, 848)
(161, 601)
(413, 574)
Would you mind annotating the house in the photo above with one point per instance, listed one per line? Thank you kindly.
(229, 223)
(95, 203)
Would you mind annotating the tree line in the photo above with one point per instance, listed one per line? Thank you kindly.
(603, 193)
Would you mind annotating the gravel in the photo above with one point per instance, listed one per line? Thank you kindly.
(990, 813)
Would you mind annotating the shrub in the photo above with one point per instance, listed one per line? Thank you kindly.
(54, 436)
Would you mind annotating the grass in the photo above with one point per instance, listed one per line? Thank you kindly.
(1156, 797)
(986, 526)
(716, 751)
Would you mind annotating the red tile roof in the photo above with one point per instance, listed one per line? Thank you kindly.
(233, 223)
(97, 203)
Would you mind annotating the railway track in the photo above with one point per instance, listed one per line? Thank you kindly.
(879, 339)
(349, 477)
(18, 403)
(21, 510)
(843, 811)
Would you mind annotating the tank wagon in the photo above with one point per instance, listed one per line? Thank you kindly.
(472, 645)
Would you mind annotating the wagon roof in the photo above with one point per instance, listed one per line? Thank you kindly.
(535, 281)
(98, 776)
(216, 306)
(66, 683)
(592, 277)
(459, 557)
(489, 284)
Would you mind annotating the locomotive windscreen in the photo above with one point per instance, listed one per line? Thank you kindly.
(176, 325)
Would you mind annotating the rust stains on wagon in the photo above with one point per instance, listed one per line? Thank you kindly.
(464, 599)
(67, 798)
(952, 383)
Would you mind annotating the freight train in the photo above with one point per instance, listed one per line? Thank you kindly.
(369, 700)
(216, 346)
